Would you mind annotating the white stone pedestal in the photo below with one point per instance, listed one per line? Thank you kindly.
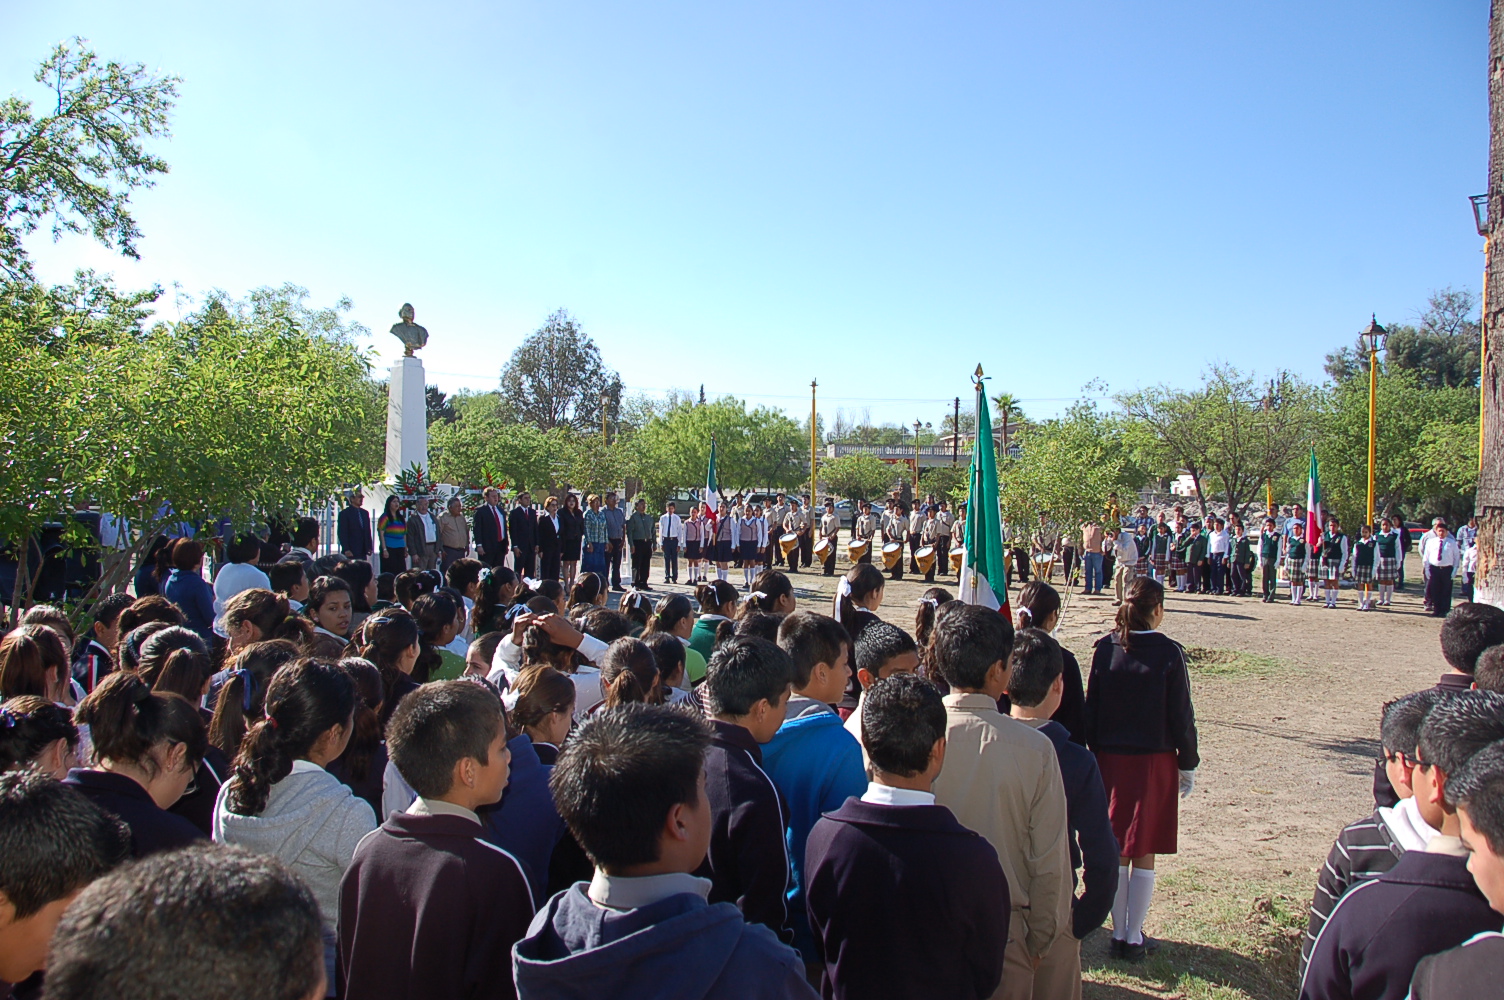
(406, 419)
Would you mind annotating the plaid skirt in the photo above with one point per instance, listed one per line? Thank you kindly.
(1363, 572)
(1142, 566)
(1161, 562)
(1331, 569)
(1297, 572)
(1177, 562)
(1389, 569)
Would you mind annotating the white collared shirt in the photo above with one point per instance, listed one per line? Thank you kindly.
(887, 795)
(670, 526)
(618, 892)
(436, 807)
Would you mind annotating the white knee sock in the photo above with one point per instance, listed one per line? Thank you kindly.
(1140, 892)
(720, 574)
(1295, 594)
(1120, 906)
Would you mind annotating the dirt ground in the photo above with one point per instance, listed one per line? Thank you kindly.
(1287, 708)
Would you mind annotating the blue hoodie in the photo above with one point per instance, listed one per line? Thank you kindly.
(679, 948)
(817, 764)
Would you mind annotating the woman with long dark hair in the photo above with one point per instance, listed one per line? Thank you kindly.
(675, 616)
(175, 661)
(498, 586)
(391, 530)
(392, 641)
(1142, 727)
(240, 702)
(34, 661)
(152, 570)
(629, 673)
(571, 536)
(858, 596)
(280, 800)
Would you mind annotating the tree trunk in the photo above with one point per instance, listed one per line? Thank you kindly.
(1490, 499)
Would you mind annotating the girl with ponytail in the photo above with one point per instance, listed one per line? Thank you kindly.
(363, 764)
(589, 589)
(717, 604)
(242, 691)
(256, 615)
(1039, 607)
(498, 586)
(544, 709)
(391, 640)
(280, 801)
(629, 674)
(772, 594)
(675, 616)
(147, 749)
(35, 732)
(436, 616)
(1142, 728)
(858, 596)
(175, 661)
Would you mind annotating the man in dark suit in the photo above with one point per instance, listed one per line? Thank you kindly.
(523, 523)
(355, 528)
(489, 528)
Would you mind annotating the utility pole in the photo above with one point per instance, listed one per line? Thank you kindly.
(813, 438)
(1489, 580)
(955, 434)
(1269, 439)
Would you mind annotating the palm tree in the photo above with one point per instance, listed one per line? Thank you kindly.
(1008, 409)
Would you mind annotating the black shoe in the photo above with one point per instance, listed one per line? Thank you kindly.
(1115, 948)
(1132, 952)
(1151, 945)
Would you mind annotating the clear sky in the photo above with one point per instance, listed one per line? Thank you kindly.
(878, 195)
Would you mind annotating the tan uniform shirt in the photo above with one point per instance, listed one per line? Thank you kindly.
(454, 531)
(944, 520)
(931, 531)
(866, 526)
(775, 516)
(796, 521)
(830, 526)
(1001, 779)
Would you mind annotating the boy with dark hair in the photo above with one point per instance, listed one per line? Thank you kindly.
(1489, 675)
(1426, 903)
(428, 907)
(881, 650)
(1001, 779)
(1370, 846)
(93, 658)
(53, 842)
(631, 785)
(1472, 969)
(747, 687)
(289, 577)
(904, 900)
(204, 921)
(813, 760)
(1036, 685)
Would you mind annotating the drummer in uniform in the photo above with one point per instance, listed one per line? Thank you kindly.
(1046, 541)
(796, 521)
(807, 540)
(774, 516)
(864, 528)
(916, 535)
(929, 534)
(945, 523)
(830, 530)
(896, 530)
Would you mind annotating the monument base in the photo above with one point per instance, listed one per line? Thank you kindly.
(406, 418)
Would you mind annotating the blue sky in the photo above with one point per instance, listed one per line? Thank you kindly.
(878, 195)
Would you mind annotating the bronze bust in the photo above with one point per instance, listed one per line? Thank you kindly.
(412, 335)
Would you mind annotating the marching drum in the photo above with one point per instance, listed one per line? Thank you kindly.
(925, 557)
(892, 554)
(822, 549)
(858, 547)
(788, 542)
(957, 558)
(1044, 564)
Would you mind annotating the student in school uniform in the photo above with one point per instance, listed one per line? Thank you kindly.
(55, 842)
(147, 748)
(93, 658)
(1472, 968)
(1002, 779)
(882, 650)
(631, 785)
(1369, 847)
(1332, 549)
(749, 547)
(1197, 563)
(896, 529)
(813, 760)
(1035, 688)
(1428, 902)
(746, 690)
(865, 528)
(1362, 561)
(1142, 727)
(1270, 543)
(1161, 550)
(1387, 566)
(904, 900)
(1297, 556)
(694, 537)
(429, 907)
(830, 530)
(1039, 607)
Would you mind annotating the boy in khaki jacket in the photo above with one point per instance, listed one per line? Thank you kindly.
(1001, 779)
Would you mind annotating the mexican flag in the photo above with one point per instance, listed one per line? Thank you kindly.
(1313, 502)
(712, 496)
(984, 573)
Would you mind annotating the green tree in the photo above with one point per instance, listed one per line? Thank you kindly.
(555, 378)
(587, 464)
(1008, 413)
(482, 441)
(1066, 468)
(761, 447)
(1444, 348)
(78, 163)
(858, 476)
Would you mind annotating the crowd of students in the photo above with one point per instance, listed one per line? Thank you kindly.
(477, 784)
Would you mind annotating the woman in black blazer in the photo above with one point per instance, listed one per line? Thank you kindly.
(549, 524)
(571, 534)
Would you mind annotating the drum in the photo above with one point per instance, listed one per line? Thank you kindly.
(788, 542)
(858, 547)
(925, 557)
(1044, 564)
(957, 559)
(892, 554)
(822, 549)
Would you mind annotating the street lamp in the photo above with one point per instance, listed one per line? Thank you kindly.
(917, 425)
(1374, 337)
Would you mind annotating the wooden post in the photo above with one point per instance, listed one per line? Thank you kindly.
(1489, 582)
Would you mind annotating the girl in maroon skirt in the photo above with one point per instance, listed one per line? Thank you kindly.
(1141, 726)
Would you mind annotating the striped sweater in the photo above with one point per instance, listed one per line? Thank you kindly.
(1365, 849)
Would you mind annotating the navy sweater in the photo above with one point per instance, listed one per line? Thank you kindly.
(152, 828)
(525, 822)
(1138, 700)
(748, 861)
(904, 901)
(1091, 839)
(1381, 929)
(428, 908)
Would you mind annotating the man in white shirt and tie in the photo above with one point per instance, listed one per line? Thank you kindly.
(1440, 556)
(1218, 548)
(671, 536)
